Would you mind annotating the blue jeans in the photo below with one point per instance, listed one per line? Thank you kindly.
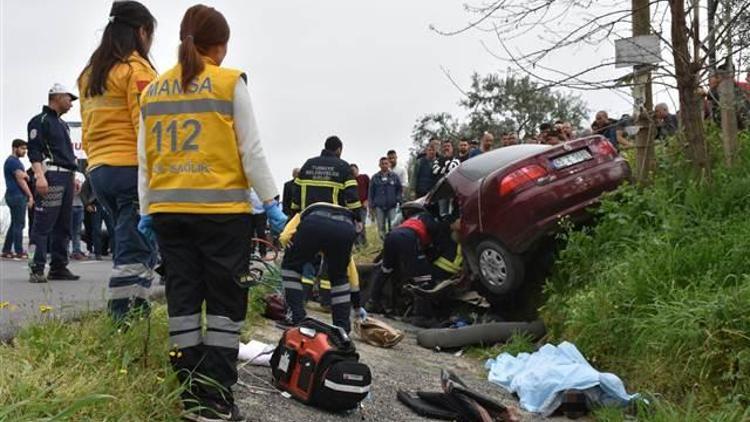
(14, 237)
(51, 229)
(116, 189)
(76, 221)
(385, 219)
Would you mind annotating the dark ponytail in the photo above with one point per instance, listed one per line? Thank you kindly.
(120, 38)
(202, 28)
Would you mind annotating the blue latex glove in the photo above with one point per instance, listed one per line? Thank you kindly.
(276, 218)
(146, 227)
(361, 313)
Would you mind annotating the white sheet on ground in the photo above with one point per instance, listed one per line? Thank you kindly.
(256, 352)
(540, 378)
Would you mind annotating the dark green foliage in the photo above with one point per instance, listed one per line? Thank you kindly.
(659, 290)
(434, 126)
(500, 104)
(518, 104)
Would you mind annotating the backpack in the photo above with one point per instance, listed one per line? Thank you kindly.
(318, 365)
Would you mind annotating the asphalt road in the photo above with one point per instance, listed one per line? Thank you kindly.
(406, 366)
(20, 301)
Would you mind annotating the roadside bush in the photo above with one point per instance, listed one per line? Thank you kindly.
(658, 291)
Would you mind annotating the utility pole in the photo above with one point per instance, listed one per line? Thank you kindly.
(727, 94)
(644, 102)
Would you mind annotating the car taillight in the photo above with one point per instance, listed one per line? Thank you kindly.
(604, 147)
(520, 178)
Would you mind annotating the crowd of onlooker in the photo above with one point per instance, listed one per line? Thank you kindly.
(381, 193)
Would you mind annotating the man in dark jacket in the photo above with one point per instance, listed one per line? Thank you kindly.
(666, 123)
(52, 158)
(423, 178)
(606, 127)
(385, 196)
(286, 204)
(327, 178)
(463, 150)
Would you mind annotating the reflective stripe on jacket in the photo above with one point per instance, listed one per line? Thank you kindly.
(451, 266)
(326, 178)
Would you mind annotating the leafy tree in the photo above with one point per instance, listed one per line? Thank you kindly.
(507, 103)
(434, 126)
(498, 104)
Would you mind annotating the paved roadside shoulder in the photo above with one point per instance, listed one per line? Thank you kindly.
(22, 302)
(407, 366)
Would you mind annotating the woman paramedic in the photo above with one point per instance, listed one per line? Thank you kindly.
(198, 154)
(110, 84)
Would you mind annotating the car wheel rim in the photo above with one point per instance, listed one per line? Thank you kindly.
(492, 265)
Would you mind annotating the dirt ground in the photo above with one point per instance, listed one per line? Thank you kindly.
(404, 367)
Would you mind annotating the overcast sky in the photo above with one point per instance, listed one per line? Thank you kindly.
(361, 70)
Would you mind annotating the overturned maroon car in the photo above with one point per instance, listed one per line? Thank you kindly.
(512, 198)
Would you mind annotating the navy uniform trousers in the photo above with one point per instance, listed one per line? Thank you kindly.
(332, 235)
(207, 256)
(50, 232)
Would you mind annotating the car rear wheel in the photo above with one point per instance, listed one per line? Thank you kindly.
(500, 271)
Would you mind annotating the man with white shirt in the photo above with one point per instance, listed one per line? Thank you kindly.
(400, 171)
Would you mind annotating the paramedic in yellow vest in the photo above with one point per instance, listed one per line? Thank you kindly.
(110, 84)
(199, 153)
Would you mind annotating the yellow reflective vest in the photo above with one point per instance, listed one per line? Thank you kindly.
(110, 120)
(193, 161)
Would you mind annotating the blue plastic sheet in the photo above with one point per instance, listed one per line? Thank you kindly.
(540, 378)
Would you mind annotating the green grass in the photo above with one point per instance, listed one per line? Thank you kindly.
(518, 343)
(87, 370)
(658, 291)
(366, 254)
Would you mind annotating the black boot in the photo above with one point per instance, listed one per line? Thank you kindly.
(375, 304)
(61, 274)
(423, 315)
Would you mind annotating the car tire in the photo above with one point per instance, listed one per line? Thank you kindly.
(501, 272)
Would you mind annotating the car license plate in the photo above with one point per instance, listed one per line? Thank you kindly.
(571, 159)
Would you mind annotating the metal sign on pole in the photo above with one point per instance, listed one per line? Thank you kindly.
(638, 50)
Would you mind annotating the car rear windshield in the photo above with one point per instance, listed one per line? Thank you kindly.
(484, 164)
